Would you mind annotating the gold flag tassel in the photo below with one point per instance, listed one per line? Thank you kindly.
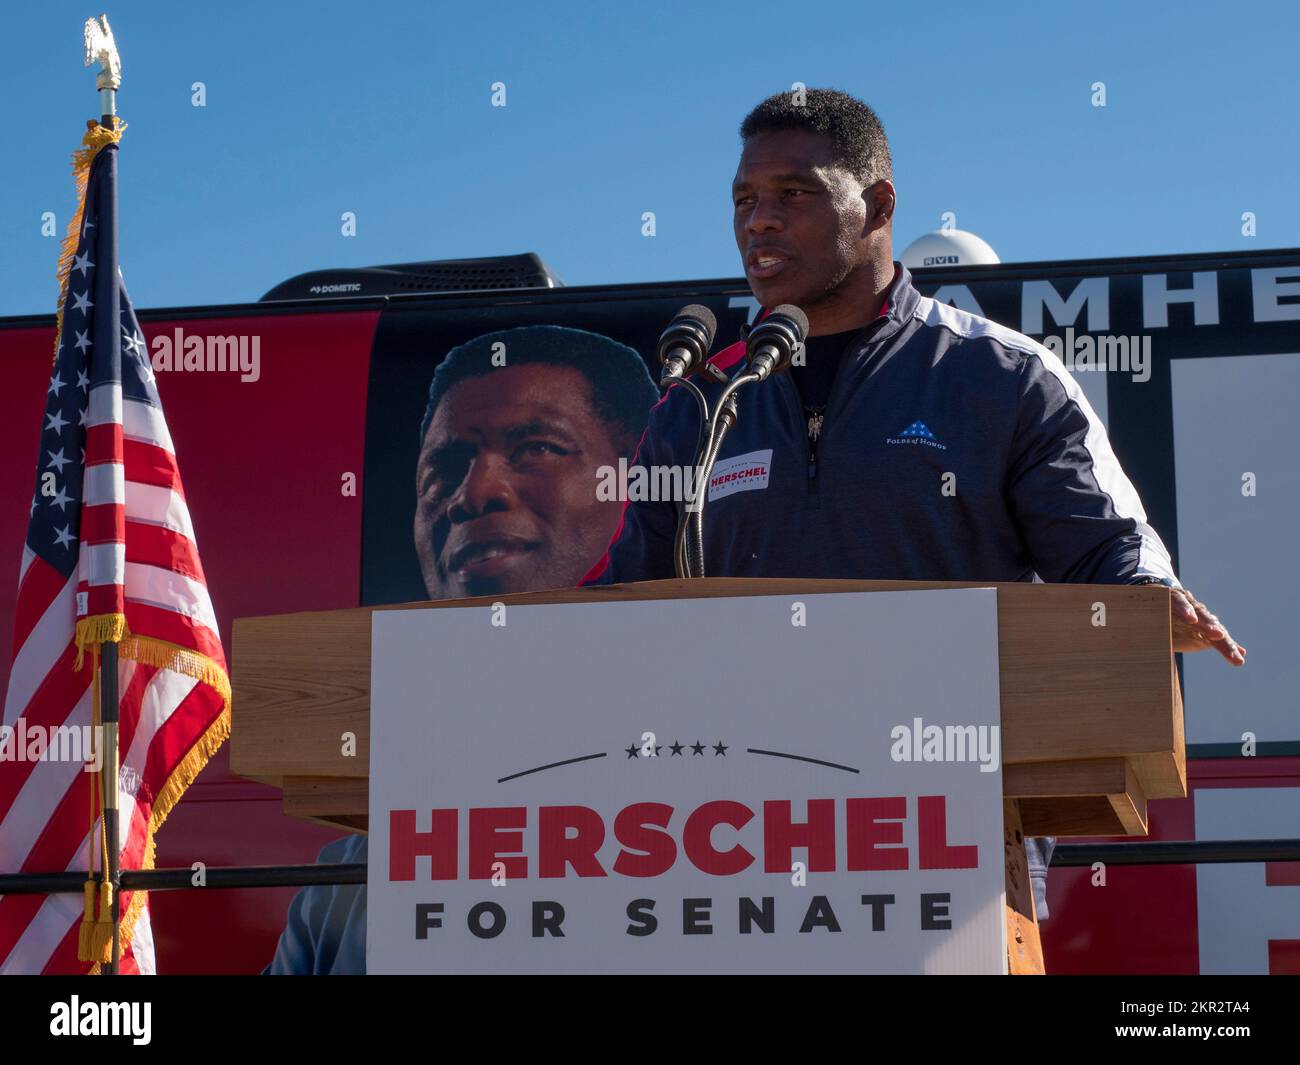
(101, 933)
(87, 923)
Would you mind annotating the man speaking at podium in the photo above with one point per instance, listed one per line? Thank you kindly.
(916, 442)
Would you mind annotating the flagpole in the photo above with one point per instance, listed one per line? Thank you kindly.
(102, 49)
(108, 716)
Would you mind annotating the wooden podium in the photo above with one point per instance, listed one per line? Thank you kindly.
(1092, 717)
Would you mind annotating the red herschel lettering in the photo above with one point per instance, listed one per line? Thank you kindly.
(781, 836)
(633, 828)
(932, 831)
(487, 841)
(405, 844)
(697, 838)
(556, 848)
(870, 824)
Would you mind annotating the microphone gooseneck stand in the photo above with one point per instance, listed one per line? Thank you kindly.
(725, 416)
(683, 349)
(771, 347)
(681, 553)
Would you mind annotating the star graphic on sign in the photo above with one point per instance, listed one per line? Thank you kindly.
(83, 263)
(33, 505)
(632, 750)
(56, 422)
(83, 380)
(697, 747)
(61, 500)
(147, 371)
(81, 416)
(83, 342)
(718, 749)
(57, 459)
(81, 301)
(62, 537)
(134, 344)
(56, 382)
(676, 747)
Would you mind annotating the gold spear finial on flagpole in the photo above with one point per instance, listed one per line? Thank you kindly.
(102, 49)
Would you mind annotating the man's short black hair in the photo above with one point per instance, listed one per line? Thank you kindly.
(622, 391)
(858, 140)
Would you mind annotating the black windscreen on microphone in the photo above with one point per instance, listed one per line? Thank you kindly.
(684, 345)
(771, 344)
(796, 316)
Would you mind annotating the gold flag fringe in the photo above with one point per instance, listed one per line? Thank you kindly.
(100, 629)
(149, 651)
(97, 137)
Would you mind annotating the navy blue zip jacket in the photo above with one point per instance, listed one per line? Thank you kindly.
(951, 449)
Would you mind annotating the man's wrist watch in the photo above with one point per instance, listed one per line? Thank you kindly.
(1148, 578)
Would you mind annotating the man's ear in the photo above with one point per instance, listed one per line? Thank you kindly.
(881, 201)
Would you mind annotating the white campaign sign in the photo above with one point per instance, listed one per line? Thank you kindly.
(556, 795)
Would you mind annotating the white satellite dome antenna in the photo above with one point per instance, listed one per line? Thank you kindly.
(948, 247)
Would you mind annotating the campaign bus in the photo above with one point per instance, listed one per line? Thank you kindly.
(297, 425)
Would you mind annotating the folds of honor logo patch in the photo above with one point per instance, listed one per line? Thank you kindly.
(916, 433)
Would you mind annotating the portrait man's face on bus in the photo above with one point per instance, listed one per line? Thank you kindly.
(506, 483)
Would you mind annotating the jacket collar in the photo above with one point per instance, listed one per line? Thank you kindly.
(900, 304)
(901, 300)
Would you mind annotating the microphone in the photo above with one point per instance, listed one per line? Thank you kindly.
(771, 344)
(684, 345)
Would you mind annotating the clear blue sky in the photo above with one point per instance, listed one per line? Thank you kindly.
(614, 109)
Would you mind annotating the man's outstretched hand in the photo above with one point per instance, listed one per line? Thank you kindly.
(1195, 628)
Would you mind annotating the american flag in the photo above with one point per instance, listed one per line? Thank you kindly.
(110, 553)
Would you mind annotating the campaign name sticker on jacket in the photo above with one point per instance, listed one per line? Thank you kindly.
(545, 797)
(740, 473)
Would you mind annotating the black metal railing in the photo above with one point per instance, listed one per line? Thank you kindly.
(1072, 855)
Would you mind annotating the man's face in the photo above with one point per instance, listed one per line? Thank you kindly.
(802, 223)
(506, 484)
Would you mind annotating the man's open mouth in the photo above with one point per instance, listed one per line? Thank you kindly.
(488, 558)
(765, 264)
